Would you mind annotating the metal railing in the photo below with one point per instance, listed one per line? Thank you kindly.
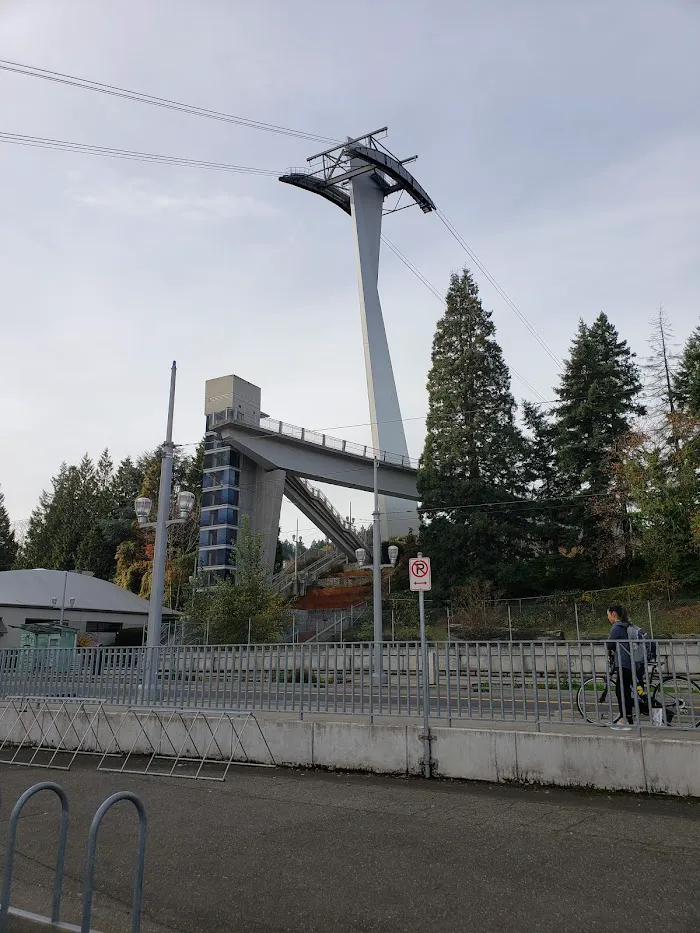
(328, 505)
(234, 416)
(343, 620)
(537, 682)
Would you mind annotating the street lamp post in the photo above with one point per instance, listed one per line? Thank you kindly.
(184, 504)
(361, 557)
(142, 507)
(377, 576)
(393, 557)
(295, 539)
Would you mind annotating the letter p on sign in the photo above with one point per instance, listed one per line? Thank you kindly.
(419, 573)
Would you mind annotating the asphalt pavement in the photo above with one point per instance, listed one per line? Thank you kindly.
(287, 850)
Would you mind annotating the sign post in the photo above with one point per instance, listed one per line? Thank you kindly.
(420, 578)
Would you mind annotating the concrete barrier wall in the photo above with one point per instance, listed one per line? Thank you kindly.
(661, 764)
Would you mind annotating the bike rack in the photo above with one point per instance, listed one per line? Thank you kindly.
(92, 852)
(10, 851)
(6, 911)
(36, 716)
(170, 738)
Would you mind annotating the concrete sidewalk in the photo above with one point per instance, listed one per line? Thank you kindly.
(289, 850)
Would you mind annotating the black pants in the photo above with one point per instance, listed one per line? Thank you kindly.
(624, 691)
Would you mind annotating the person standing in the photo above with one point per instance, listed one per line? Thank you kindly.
(618, 643)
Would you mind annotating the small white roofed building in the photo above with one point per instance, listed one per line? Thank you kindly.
(56, 608)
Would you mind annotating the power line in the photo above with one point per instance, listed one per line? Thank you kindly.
(164, 102)
(506, 504)
(511, 304)
(113, 90)
(367, 424)
(409, 265)
(41, 142)
(429, 285)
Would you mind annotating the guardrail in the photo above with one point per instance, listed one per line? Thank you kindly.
(539, 682)
(271, 425)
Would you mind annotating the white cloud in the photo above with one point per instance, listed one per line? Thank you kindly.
(140, 199)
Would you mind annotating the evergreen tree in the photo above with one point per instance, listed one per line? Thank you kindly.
(87, 522)
(471, 467)
(540, 473)
(547, 567)
(664, 485)
(598, 397)
(687, 378)
(113, 516)
(35, 551)
(8, 542)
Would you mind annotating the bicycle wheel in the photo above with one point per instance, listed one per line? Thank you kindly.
(680, 696)
(596, 701)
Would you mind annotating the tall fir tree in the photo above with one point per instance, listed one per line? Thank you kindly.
(547, 568)
(687, 376)
(472, 461)
(8, 542)
(598, 396)
(87, 522)
(663, 484)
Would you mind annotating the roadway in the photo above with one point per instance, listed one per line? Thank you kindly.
(282, 850)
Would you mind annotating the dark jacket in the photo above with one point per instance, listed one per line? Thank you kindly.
(618, 633)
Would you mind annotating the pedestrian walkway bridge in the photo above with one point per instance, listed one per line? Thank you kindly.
(276, 445)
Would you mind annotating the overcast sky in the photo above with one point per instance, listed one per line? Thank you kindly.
(560, 137)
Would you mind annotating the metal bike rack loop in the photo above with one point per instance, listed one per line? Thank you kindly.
(10, 851)
(92, 853)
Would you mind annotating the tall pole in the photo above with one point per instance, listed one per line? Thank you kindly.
(377, 576)
(155, 607)
(367, 201)
(425, 682)
(296, 553)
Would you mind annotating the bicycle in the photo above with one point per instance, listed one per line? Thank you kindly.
(677, 694)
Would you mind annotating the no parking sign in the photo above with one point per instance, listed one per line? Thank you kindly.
(419, 573)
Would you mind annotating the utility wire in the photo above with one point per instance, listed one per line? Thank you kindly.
(164, 102)
(367, 424)
(41, 142)
(86, 84)
(511, 304)
(409, 265)
(429, 285)
(507, 504)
